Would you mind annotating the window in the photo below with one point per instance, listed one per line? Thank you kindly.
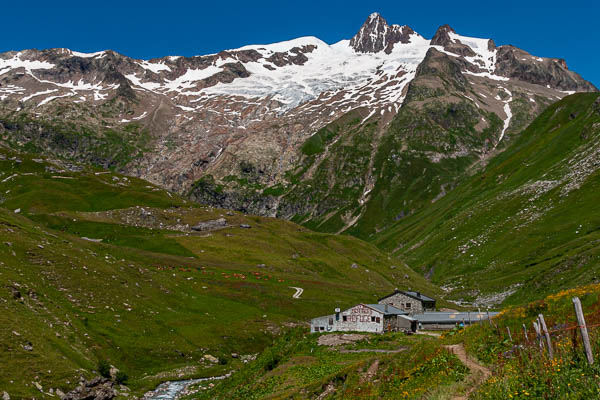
(408, 306)
(344, 318)
(372, 319)
(331, 321)
(378, 320)
(321, 328)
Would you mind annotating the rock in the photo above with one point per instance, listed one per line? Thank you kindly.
(210, 225)
(27, 347)
(235, 355)
(60, 393)
(376, 35)
(5, 396)
(113, 372)
(211, 358)
(38, 386)
(245, 226)
(354, 265)
(18, 210)
(96, 389)
(229, 213)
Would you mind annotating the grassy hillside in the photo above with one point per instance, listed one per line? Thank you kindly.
(525, 225)
(95, 265)
(520, 370)
(298, 367)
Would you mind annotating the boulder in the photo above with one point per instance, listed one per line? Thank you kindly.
(245, 226)
(211, 358)
(210, 225)
(113, 372)
(5, 396)
(96, 389)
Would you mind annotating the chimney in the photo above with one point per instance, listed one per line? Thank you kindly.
(418, 294)
(386, 308)
(337, 314)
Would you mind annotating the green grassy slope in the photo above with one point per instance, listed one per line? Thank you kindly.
(520, 370)
(527, 222)
(153, 297)
(297, 367)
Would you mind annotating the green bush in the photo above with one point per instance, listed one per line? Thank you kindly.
(121, 377)
(104, 368)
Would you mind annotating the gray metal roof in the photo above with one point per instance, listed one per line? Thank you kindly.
(451, 317)
(416, 295)
(391, 310)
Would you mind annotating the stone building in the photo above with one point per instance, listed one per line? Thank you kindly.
(375, 318)
(409, 301)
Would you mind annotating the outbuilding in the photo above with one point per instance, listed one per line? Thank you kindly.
(410, 301)
(448, 320)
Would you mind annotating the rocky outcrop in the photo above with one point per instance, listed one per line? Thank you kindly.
(95, 389)
(210, 225)
(376, 35)
(515, 63)
(443, 38)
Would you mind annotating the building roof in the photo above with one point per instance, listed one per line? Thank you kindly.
(391, 310)
(415, 295)
(451, 317)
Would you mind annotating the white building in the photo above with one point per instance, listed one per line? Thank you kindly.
(365, 318)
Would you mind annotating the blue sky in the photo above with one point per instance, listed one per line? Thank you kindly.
(153, 29)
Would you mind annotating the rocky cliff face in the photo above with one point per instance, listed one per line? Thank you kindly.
(298, 129)
(376, 35)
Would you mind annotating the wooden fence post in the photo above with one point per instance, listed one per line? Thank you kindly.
(489, 319)
(538, 334)
(525, 333)
(509, 335)
(583, 329)
(547, 334)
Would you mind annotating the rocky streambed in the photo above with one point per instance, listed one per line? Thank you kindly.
(172, 390)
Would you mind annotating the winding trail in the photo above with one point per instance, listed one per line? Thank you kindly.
(298, 293)
(479, 373)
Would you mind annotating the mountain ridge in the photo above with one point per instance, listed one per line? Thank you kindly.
(241, 118)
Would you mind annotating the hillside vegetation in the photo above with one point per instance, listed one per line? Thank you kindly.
(522, 227)
(98, 266)
(395, 366)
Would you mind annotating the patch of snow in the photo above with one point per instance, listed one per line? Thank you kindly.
(89, 55)
(49, 99)
(154, 67)
(39, 94)
(17, 62)
(191, 77)
(508, 113)
(150, 86)
(141, 116)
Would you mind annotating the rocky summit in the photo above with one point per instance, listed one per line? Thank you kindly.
(324, 134)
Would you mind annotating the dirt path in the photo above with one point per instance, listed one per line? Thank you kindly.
(479, 373)
(371, 372)
(298, 293)
(374, 350)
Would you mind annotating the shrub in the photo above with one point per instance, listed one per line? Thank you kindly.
(121, 377)
(104, 368)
